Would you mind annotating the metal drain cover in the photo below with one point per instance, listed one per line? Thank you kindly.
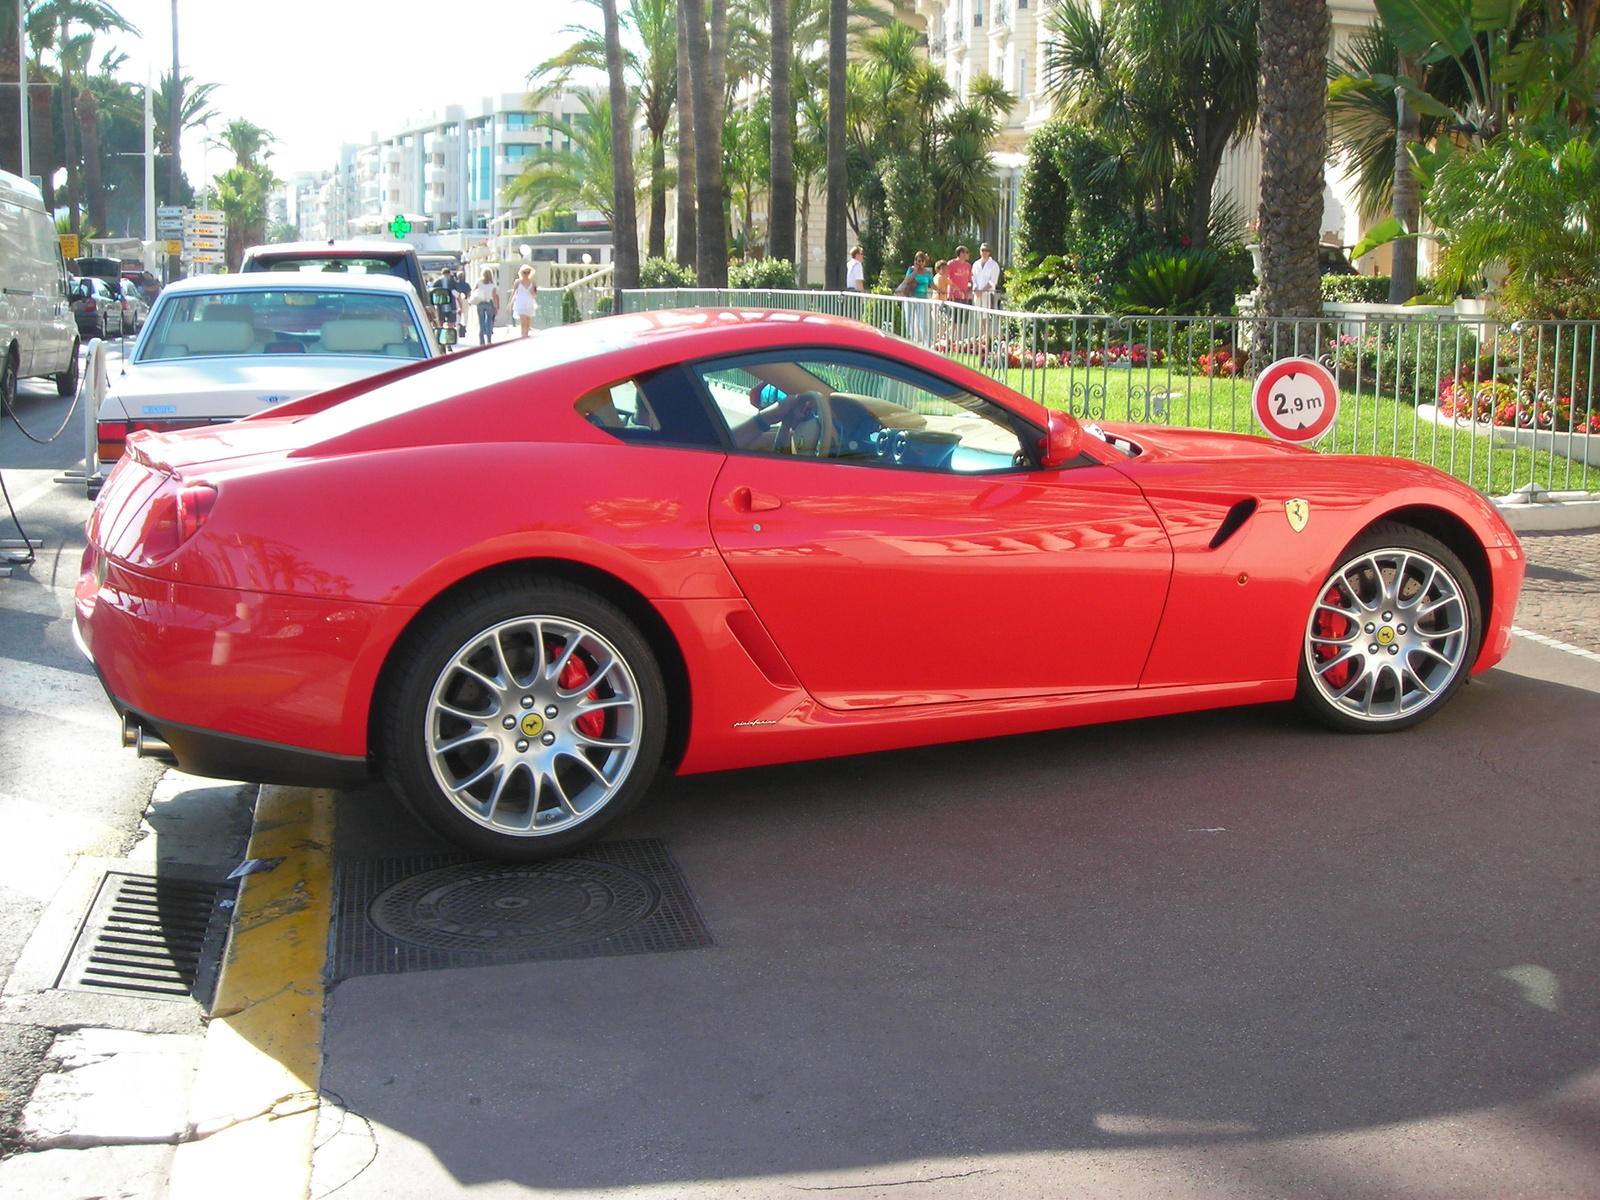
(150, 935)
(434, 912)
(490, 906)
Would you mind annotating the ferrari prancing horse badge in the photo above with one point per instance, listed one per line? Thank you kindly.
(1298, 512)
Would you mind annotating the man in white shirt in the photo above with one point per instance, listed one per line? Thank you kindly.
(985, 277)
(855, 275)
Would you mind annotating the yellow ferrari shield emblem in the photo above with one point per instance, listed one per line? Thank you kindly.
(532, 724)
(1298, 512)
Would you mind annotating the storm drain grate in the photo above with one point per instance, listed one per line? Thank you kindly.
(151, 936)
(429, 913)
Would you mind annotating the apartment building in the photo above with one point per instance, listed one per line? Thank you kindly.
(444, 171)
(1006, 39)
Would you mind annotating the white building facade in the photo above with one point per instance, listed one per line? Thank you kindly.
(1006, 39)
(446, 171)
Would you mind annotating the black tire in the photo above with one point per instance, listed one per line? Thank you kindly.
(1409, 670)
(67, 381)
(530, 771)
(8, 381)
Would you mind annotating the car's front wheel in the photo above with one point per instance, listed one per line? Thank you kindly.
(524, 718)
(1392, 635)
(67, 381)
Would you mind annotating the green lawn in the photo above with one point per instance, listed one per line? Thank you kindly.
(1367, 424)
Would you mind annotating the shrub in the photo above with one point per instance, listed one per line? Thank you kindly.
(770, 274)
(1163, 283)
(664, 273)
(1355, 289)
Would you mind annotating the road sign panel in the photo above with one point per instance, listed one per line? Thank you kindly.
(170, 210)
(169, 223)
(1296, 399)
(205, 214)
(205, 258)
(69, 245)
(199, 244)
(174, 246)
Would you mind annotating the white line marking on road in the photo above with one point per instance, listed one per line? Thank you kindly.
(1218, 829)
(1555, 645)
(51, 692)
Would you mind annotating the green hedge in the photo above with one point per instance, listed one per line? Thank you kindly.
(1355, 289)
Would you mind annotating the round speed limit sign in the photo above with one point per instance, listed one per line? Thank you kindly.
(1296, 399)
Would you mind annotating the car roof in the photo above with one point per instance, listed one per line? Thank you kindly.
(277, 281)
(328, 249)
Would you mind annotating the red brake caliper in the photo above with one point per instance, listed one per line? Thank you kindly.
(573, 676)
(1332, 625)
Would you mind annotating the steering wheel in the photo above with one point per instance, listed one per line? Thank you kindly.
(804, 408)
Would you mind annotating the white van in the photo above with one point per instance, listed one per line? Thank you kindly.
(38, 334)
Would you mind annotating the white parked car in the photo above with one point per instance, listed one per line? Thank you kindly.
(38, 332)
(219, 347)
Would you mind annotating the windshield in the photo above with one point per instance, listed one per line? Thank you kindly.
(298, 321)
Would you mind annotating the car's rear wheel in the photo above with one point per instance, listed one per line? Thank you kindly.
(67, 381)
(1392, 635)
(8, 381)
(525, 718)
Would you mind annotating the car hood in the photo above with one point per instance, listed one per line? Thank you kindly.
(1168, 442)
(225, 388)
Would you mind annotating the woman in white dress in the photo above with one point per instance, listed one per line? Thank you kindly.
(524, 300)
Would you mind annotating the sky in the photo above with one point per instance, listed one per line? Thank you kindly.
(316, 73)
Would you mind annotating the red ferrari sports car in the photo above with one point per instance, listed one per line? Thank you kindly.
(519, 581)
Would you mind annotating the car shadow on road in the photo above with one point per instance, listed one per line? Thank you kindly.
(1219, 928)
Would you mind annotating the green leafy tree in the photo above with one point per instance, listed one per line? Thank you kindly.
(556, 177)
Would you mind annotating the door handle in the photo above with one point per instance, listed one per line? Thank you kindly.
(743, 499)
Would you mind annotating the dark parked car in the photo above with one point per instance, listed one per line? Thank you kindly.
(355, 258)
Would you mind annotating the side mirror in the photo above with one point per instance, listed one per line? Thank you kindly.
(447, 335)
(1062, 442)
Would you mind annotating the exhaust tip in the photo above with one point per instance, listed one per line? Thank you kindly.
(146, 744)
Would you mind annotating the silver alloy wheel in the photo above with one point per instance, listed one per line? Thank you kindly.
(533, 725)
(1387, 635)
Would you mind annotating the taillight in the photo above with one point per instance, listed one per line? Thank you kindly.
(112, 435)
(88, 306)
(175, 514)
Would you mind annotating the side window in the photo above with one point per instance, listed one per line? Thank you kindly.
(659, 408)
(853, 408)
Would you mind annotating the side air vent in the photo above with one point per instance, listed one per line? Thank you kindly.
(1237, 516)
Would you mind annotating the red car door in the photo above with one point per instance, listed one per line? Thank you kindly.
(888, 583)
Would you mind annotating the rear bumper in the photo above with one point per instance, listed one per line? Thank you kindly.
(215, 755)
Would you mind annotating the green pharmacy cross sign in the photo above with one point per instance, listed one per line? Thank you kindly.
(400, 226)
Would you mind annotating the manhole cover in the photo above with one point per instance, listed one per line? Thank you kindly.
(430, 912)
(484, 906)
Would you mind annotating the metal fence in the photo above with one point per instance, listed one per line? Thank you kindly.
(1506, 407)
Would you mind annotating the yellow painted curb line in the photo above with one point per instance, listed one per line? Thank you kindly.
(254, 1108)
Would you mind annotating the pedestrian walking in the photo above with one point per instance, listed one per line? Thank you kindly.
(959, 271)
(486, 299)
(855, 275)
(524, 299)
(985, 277)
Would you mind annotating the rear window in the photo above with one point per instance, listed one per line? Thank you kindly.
(288, 322)
(335, 264)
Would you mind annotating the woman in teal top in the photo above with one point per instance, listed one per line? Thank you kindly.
(921, 276)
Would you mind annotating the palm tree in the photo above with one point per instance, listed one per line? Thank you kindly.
(1294, 49)
(780, 208)
(624, 223)
(686, 234)
(94, 16)
(579, 177)
(194, 100)
(654, 74)
(242, 189)
(834, 250)
(711, 249)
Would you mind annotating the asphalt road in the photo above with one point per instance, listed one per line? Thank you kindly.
(1216, 955)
